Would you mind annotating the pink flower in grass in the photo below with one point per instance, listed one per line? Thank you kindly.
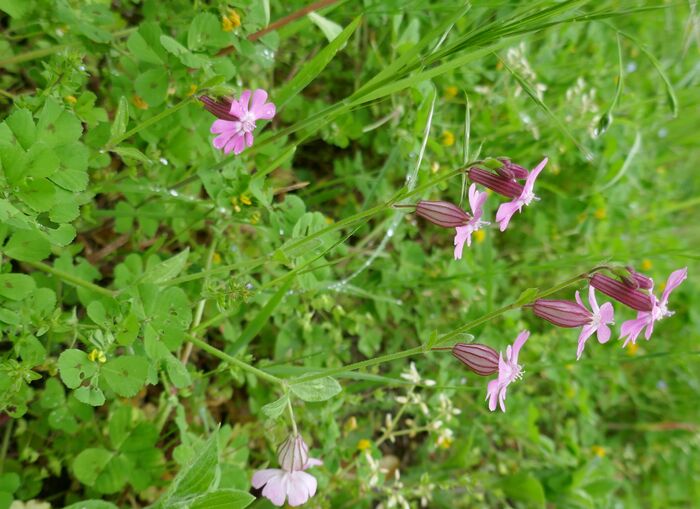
(290, 482)
(508, 371)
(464, 233)
(600, 318)
(631, 329)
(235, 127)
(506, 210)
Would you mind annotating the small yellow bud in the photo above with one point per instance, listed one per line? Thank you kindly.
(646, 264)
(216, 258)
(255, 217)
(598, 450)
(245, 199)
(444, 442)
(97, 355)
(451, 92)
(70, 99)
(448, 139)
(192, 90)
(329, 220)
(350, 425)
(600, 213)
(139, 103)
(363, 444)
(479, 236)
(632, 349)
(230, 21)
(435, 167)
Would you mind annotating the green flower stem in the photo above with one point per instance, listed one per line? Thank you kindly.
(71, 279)
(442, 339)
(236, 362)
(149, 122)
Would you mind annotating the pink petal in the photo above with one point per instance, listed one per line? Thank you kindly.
(301, 486)
(232, 143)
(578, 299)
(675, 279)
(492, 394)
(505, 212)
(259, 108)
(631, 328)
(530, 182)
(603, 333)
(650, 329)
(238, 144)
(502, 397)
(591, 300)
(276, 488)
(249, 139)
(518, 344)
(461, 237)
(586, 332)
(222, 126)
(221, 140)
(313, 462)
(262, 477)
(237, 109)
(607, 313)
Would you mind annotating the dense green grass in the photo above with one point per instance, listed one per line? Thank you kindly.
(156, 294)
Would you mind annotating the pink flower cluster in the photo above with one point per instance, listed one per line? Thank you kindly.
(503, 181)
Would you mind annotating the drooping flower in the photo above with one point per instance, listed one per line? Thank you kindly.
(508, 371)
(511, 170)
(632, 328)
(506, 210)
(481, 359)
(622, 292)
(464, 233)
(236, 119)
(564, 313)
(290, 482)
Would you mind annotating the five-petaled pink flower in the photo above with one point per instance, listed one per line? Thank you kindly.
(508, 371)
(237, 134)
(290, 482)
(600, 318)
(464, 233)
(632, 328)
(506, 210)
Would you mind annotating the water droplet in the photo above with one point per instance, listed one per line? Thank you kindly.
(163, 161)
(82, 67)
(663, 132)
(281, 232)
(249, 286)
(390, 232)
(632, 66)
(174, 193)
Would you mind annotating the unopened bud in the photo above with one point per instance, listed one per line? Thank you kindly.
(635, 280)
(220, 108)
(516, 170)
(481, 359)
(498, 183)
(293, 454)
(562, 313)
(622, 292)
(442, 213)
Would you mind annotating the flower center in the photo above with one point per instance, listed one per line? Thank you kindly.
(247, 123)
(526, 199)
(513, 372)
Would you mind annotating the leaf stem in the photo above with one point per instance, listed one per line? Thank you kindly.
(71, 279)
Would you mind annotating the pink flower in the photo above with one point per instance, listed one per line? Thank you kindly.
(464, 233)
(632, 328)
(235, 128)
(506, 210)
(290, 482)
(508, 371)
(481, 359)
(600, 318)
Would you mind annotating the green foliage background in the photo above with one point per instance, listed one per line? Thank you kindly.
(142, 271)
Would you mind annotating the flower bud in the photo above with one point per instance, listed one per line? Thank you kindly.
(220, 108)
(635, 280)
(622, 293)
(513, 169)
(293, 453)
(563, 313)
(481, 359)
(498, 183)
(442, 213)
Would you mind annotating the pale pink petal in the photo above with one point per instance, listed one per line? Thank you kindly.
(505, 212)
(592, 301)
(650, 329)
(233, 143)
(530, 182)
(476, 201)
(518, 344)
(578, 299)
(259, 108)
(603, 333)
(221, 140)
(301, 487)
(237, 109)
(502, 397)
(461, 237)
(244, 100)
(675, 279)
(222, 126)
(586, 332)
(238, 144)
(262, 477)
(249, 139)
(632, 328)
(607, 313)
(492, 394)
(313, 462)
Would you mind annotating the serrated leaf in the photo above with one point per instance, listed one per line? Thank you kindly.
(183, 54)
(75, 367)
(104, 470)
(320, 389)
(276, 408)
(223, 499)
(152, 86)
(166, 270)
(126, 375)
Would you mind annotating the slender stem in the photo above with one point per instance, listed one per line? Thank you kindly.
(236, 362)
(71, 279)
(442, 339)
(291, 416)
(5, 443)
(320, 4)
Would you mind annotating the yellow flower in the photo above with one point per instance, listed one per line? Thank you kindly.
(598, 450)
(230, 21)
(255, 217)
(234, 204)
(97, 355)
(632, 349)
(192, 90)
(600, 213)
(363, 444)
(448, 139)
(451, 92)
(245, 199)
(70, 99)
(216, 258)
(479, 236)
(444, 442)
(646, 264)
(139, 103)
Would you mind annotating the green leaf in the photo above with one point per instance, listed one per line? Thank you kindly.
(22, 125)
(152, 86)
(314, 67)
(121, 118)
(330, 29)
(131, 152)
(205, 31)
(106, 471)
(90, 395)
(183, 54)
(128, 330)
(16, 286)
(37, 193)
(527, 296)
(15, 8)
(166, 270)
(71, 180)
(199, 475)
(524, 488)
(276, 408)
(320, 389)
(92, 504)
(223, 499)
(141, 50)
(27, 246)
(75, 367)
(126, 375)
(177, 371)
